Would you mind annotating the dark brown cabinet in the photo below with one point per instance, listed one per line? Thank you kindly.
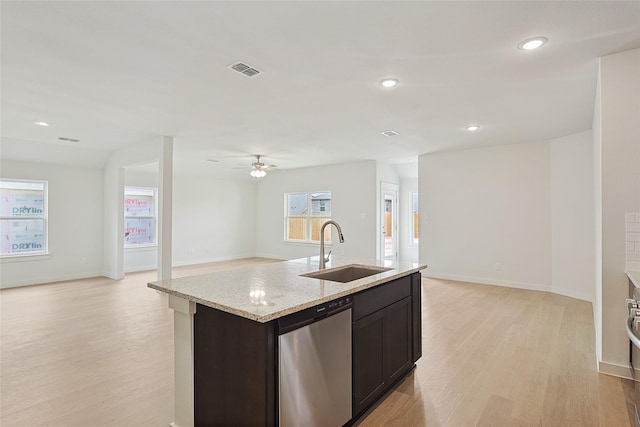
(236, 358)
(416, 315)
(383, 335)
(368, 360)
(234, 370)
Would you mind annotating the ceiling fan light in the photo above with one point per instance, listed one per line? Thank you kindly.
(257, 173)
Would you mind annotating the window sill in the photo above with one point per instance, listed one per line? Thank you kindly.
(145, 248)
(24, 258)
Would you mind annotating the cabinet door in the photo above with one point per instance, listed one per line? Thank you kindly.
(397, 340)
(234, 369)
(416, 314)
(368, 360)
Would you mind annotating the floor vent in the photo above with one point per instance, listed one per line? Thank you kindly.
(245, 69)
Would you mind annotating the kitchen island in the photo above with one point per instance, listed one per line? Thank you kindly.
(226, 330)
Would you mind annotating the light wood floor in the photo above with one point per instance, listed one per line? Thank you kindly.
(99, 352)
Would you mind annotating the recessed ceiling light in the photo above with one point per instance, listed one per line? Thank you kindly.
(389, 82)
(532, 43)
(473, 128)
(42, 124)
(389, 133)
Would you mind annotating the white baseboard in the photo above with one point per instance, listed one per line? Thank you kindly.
(509, 284)
(271, 256)
(112, 275)
(31, 281)
(212, 259)
(616, 370)
(139, 268)
(483, 281)
(584, 296)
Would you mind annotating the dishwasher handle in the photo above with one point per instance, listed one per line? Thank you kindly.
(310, 315)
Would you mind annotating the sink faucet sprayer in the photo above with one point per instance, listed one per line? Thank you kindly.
(324, 259)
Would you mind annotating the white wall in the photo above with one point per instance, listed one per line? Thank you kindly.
(485, 215)
(408, 250)
(353, 192)
(75, 225)
(213, 219)
(572, 217)
(620, 171)
(518, 215)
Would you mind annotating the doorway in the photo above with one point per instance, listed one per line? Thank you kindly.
(389, 222)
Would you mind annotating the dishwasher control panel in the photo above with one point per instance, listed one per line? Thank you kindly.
(339, 303)
(304, 317)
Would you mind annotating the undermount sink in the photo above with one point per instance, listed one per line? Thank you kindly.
(347, 273)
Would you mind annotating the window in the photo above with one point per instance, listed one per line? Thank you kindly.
(304, 215)
(23, 217)
(415, 219)
(139, 217)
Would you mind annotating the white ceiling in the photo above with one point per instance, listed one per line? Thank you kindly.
(116, 73)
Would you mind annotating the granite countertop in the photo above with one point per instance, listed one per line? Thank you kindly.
(634, 276)
(264, 292)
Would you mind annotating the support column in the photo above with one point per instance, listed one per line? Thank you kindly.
(183, 365)
(164, 207)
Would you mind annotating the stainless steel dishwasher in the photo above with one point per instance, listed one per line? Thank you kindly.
(314, 366)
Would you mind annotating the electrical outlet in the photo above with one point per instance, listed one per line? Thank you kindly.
(84, 259)
(498, 266)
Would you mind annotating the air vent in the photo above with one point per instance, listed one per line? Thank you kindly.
(245, 69)
(62, 138)
(389, 133)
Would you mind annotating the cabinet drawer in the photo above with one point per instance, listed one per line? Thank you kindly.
(374, 299)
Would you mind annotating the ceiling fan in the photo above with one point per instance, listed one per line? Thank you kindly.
(259, 169)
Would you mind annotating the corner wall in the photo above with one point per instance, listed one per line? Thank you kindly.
(572, 216)
(485, 215)
(620, 172)
(213, 219)
(75, 225)
(354, 207)
(515, 215)
(160, 151)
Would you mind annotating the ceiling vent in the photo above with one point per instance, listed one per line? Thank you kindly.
(62, 138)
(245, 69)
(390, 133)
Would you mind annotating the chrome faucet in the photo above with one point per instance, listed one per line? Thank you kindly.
(323, 259)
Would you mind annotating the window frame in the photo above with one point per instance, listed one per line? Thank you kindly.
(414, 241)
(308, 217)
(44, 218)
(154, 217)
